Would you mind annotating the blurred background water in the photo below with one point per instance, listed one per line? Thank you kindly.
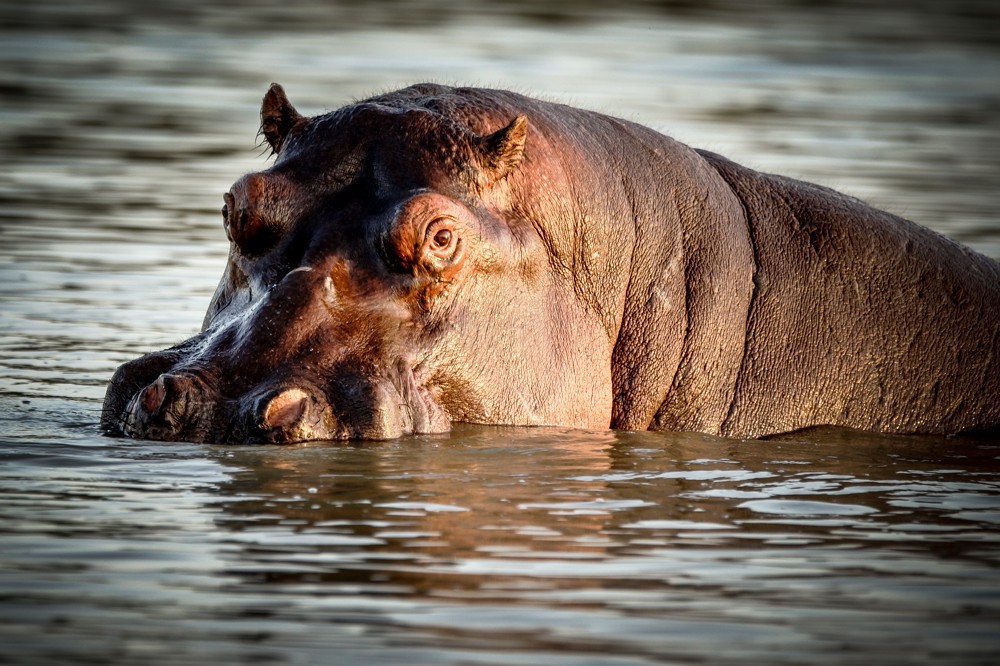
(121, 125)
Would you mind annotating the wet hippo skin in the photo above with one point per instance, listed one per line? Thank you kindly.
(440, 254)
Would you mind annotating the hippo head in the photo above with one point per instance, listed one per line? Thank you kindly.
(386, 276)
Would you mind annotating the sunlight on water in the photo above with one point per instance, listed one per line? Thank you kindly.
(122, 126)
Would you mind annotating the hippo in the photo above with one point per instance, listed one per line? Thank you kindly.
(443, 254)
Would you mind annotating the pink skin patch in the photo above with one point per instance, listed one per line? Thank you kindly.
(285, 409)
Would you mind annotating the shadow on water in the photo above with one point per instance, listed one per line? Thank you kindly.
(121, 127)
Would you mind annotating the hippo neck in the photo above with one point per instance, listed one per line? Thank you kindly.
(693, 277)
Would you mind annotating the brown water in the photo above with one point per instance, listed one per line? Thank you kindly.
(119, 130)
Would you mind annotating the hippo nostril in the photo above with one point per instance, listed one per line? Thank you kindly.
(129, 381)
(284, 410)
(173, 406)
(168, 393)
(153, 396)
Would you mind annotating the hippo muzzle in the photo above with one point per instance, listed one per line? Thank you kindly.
(275, 374)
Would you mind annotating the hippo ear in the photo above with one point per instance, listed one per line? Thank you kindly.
(277, 117)
(502, 151)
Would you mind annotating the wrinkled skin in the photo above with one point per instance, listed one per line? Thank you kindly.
(437, 255)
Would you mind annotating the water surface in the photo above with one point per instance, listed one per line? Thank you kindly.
(121, 127)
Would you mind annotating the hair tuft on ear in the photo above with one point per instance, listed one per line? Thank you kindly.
(502, 151)
(277, 117)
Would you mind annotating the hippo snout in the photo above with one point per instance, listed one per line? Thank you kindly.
(186, 405)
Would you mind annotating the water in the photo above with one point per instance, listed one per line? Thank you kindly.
(501, 546)
(121, 126)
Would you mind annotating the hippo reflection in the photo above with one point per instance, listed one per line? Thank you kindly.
(446, 254)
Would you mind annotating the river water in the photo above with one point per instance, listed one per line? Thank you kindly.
(120, 128)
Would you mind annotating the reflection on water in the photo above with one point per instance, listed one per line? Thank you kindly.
(504, 545)
(121, 127)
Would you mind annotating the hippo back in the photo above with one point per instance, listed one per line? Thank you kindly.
(860, 318)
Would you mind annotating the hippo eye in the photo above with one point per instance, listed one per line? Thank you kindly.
(442, 239)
